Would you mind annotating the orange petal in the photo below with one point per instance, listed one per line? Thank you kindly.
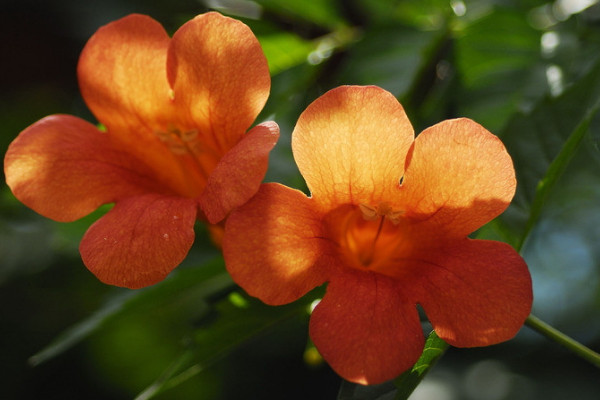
(64, 168)
(219, 76)
(475, 292)
(272, 247)
(366, 329)
(239, 173)
(123, 80)
(122, 75)
(140, 240)
(459, 177)
(350, 145)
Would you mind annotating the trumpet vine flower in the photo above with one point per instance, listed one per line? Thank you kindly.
(173, 146)
(386, 226)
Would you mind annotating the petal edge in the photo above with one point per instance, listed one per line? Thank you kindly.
(350, 145)
(139, 241)
(365, 328)
(239, 173)
(475, 292)
(272, 245)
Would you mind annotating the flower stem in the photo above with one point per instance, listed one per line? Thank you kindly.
(555, 335)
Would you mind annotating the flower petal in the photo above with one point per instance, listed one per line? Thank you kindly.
(272, 245)
(123, 80)
(365, 328)
(139, 241)
(459, 177)
(220, 77)
(64, 168)
(239, 173)
(122, 75)
(475, 292)
(350, 145)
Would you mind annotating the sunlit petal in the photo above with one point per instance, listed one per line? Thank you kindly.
(350, 146)
(272, 245)
(220, 77)
(475, 292)
(64, 168)
(141, 240)
(459, 177)
(239, 173)
(366, 329)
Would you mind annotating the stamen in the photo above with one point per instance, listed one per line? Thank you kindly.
(189, 136)
(172, 141)
(187, 144)
(369, 213)
(384, 209)
(179, 142)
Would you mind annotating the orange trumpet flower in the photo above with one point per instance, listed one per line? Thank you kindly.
(386, 226)
(174, 146)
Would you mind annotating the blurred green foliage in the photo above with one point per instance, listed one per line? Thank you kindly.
(527, 70)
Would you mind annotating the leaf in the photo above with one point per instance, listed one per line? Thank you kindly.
(402, 387)
(419, 13)
(555, 171)
(82, 329)
(390, 57)
(499, 66)
(240, 320)
(541, 144)
(321, 12)
(285, 50)
(408, 381)
(198, 283)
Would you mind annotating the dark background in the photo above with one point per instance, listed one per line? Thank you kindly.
(525, 69)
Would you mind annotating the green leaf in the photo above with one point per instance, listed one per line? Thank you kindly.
(391, 57)
(285, 50)
(408, 381)
(418, 13)
(499, 66)
(555, 171)
(185, 284)
(240, 320)
(320, 12)
(542, 143)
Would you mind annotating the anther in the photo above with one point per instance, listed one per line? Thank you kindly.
(180, 142)
(384, 209)
(189, 136)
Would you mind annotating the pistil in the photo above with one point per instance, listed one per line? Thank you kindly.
(368, 259)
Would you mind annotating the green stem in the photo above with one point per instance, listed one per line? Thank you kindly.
(555, 335)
